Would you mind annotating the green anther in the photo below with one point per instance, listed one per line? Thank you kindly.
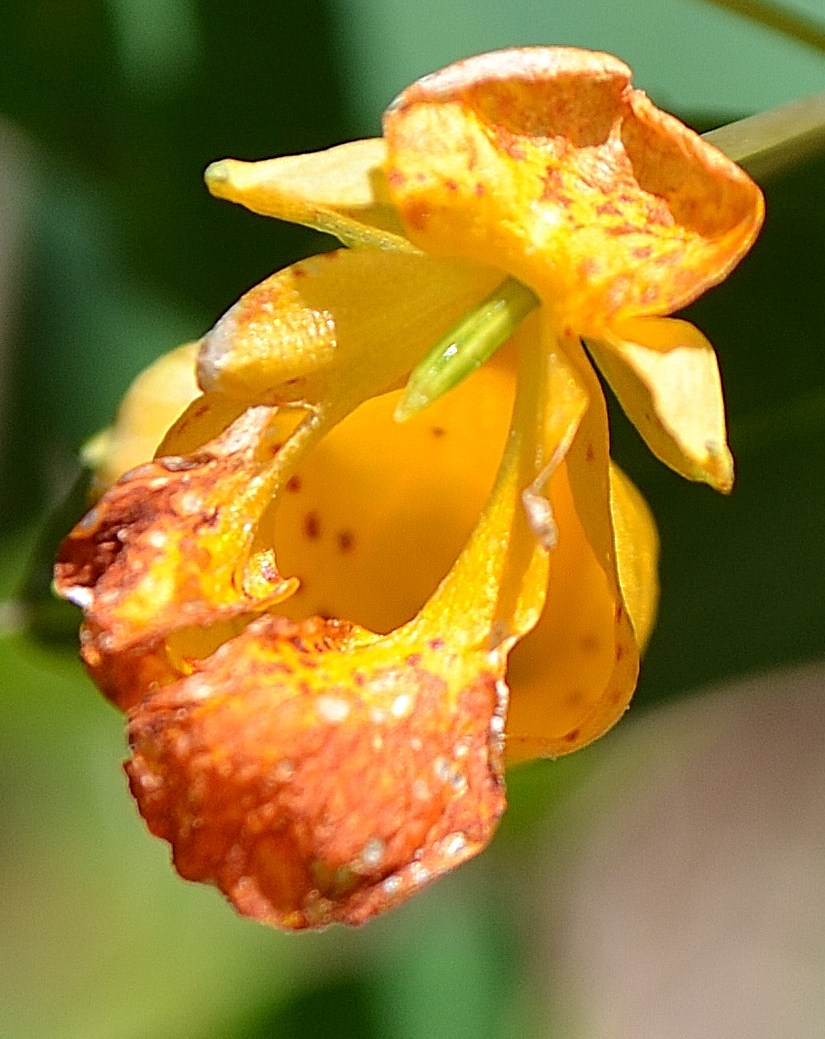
(467, 346)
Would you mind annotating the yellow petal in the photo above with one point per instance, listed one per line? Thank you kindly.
(151, 404)
(377, 566)
(573, 678)
(637, 553)
(545, 162)
(377, 513)
(665, 375)
(338, 328)
(553, 404)
(341, 191)
(495, 592)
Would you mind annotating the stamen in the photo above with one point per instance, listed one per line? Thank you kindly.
(466, 346)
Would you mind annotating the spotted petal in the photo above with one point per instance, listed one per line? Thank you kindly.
(336, 329)
(317, 775)
(167, 563)
(546, 162)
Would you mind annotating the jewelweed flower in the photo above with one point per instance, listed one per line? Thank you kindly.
(329, 628)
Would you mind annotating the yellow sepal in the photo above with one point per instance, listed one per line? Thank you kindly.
(338, 328)
(666, 377)
(341, 191)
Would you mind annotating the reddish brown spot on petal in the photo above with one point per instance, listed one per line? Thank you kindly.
(510, 143)
(312, 526)
(552, 183)
(416, 215)
(345, 541)
(293, 484)
(588, 268)
(268, 570)
(438, 431)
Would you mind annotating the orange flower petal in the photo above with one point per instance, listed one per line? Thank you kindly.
(315, 774)
(314, 771)
(546, 163)
(171, 547)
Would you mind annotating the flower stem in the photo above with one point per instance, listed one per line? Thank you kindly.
(765, 143)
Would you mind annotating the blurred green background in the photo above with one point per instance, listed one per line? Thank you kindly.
(111, 251)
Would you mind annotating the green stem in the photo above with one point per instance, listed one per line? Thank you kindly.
(765, 143)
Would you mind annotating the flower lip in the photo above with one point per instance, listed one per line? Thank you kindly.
(359, 790)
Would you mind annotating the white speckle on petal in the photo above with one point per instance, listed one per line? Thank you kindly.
(392, 884)
(157, 538)
(332, 709)
(372, 854)
(418, 873)
(80, 596)
(401, 705)
(454, 843)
